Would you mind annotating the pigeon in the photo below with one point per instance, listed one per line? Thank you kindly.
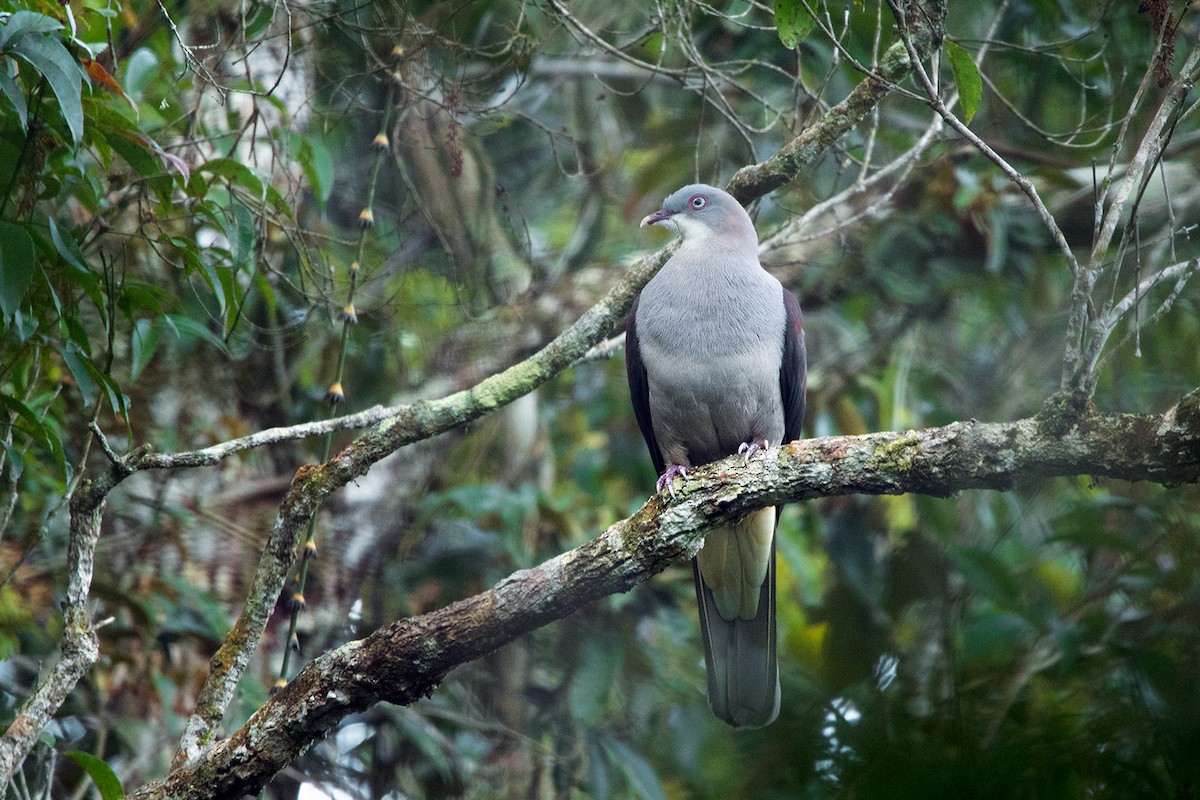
(715, 357)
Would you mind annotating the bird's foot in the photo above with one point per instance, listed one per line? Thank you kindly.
(668, 478)
(748, 449)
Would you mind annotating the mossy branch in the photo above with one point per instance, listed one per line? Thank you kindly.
(407, 659)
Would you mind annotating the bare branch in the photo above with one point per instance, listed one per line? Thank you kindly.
(208, 456)
(1138, 293)
(756, 180)
(1180, 273)
(606, 349)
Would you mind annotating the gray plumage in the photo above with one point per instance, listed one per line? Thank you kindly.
(715, 356)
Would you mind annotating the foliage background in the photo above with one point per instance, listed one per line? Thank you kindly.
(177, 229)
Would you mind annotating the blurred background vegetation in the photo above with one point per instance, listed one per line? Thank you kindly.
(185, 186)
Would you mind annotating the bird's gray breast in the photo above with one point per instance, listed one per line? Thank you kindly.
(711, 339)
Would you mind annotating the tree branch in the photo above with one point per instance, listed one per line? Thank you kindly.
(406, 660)
(209, 456)
(80, 646)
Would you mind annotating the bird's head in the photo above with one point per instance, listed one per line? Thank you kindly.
(699, 211)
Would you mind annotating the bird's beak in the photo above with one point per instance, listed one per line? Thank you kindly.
(656, 217)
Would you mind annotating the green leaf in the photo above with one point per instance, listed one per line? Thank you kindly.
(78, 270)
(142, 296)
(90, 377)
(592, 682)
(77, 364)
(23, 22)
(16, 267)
(258, 18)
(229, 288)
(48, 56)
(121, 134)
(323, 168)
(15, 96)
(995, 637)
(638, 771)
(101, 774)
(598, 782)
(138, 155)
(793, 23)
(25, 420)
(241, 235)
(111, 119)
(317, 163)
(16, 465)
(117, 399)
(212, 275)
(187, 329)
(241, 175)
(76, 332)
(68, 248)
(966, 76)
(143, 344)
(987, 575)
(141, 67)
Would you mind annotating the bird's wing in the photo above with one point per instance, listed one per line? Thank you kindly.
(639, 388)
(793, 371)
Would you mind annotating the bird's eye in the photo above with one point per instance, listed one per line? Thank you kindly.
(698, 202)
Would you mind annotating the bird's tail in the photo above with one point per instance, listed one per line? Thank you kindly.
(735, 591)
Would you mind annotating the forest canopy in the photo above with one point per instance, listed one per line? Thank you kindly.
(319, 475)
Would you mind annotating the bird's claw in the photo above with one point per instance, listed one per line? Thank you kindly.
(748, 449)
(667, 479)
